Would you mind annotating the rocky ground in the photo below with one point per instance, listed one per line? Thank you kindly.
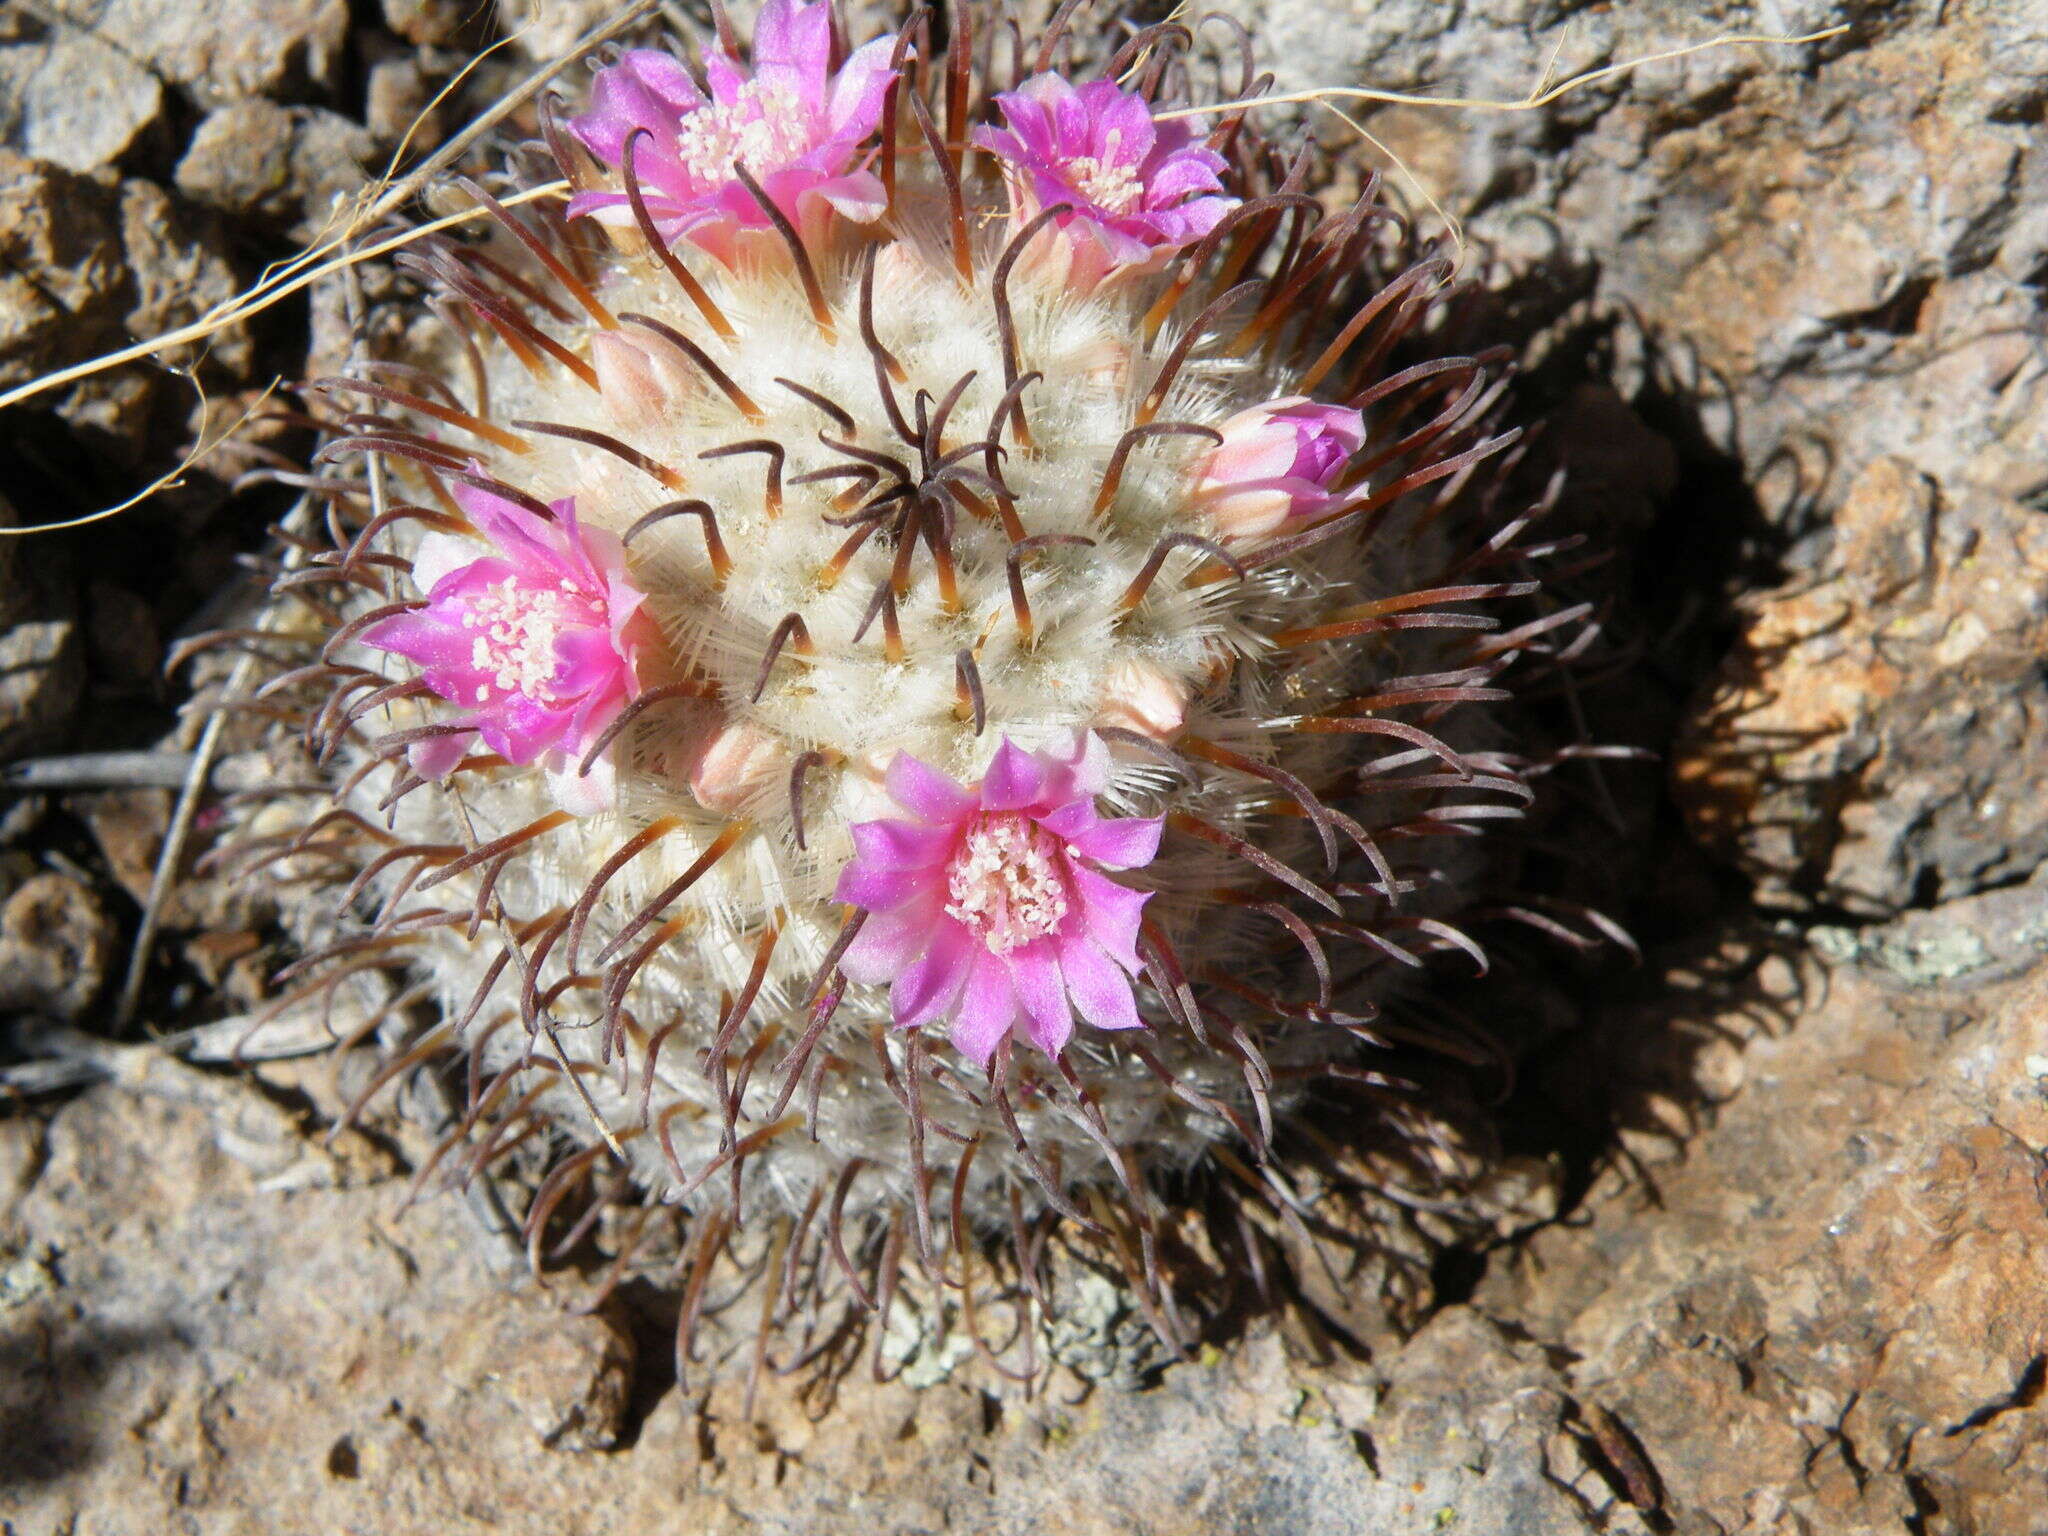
(1782, 1265)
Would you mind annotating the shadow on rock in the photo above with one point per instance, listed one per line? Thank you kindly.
(50, 1387)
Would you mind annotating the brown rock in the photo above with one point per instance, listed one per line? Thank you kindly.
(396, 100)
(121, 637)
(21, 1154)
(227, 50)
(61, 264)
(72, 98)
(240, 159)
(1831, 1319)
(569, 1376)
(428, 22)
(281, 164)
(179, 270)
(54, 948)
(41, 672)
(129, 826)
(548, 28)
(39, 661)
(87, 265)
(1879, 737)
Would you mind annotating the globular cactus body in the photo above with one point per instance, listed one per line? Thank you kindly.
(936, 664)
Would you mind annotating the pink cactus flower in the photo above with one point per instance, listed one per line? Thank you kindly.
(1277, 462)
(990, 908)
(798, 127)
(538, 642)
(1140, 189)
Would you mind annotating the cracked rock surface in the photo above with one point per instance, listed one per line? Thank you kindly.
(1781, 1268)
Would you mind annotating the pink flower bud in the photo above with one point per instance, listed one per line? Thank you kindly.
(738, 760)
(1277, 461)
(640, 377)
(1141, 697)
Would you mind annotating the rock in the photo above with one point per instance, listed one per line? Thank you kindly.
(569, 1376)
(70, 97)
(1828, 1314)
(179, 270)
(39, 668)
(430, 22)
(54, 948)
(396, 102)
(1879, 736)
(122, 637)
(546, 29)
(61, 264)
(129, 826)
(1468, 1437)
(21, 1154)
(40, 676)
(225, 51)
(86, 265)
(41, 671)
(240, 159)
(284, 165)
(1801, 259)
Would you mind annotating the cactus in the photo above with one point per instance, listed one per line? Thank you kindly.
(930, 659)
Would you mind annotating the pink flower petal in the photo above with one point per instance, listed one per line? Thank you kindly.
(930, 985)
(1112, 913)
(988, 1010)
(925, 792)
(1099, 987)
(891, 845)
(889, 941)
(859, 197)
(1015, 779)
(858, 93)
(865, 885)
(436, 756)
(1124, 843)
(1071, 821)
(1035, 973)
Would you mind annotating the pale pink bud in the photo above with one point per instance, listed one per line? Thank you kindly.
(739, 761)
(639, 377)
(1142, 697)
(1277, 461)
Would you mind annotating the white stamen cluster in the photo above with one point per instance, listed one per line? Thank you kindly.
(763, 129)
(517, 647)
(1107, 182)
(1005, 883)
